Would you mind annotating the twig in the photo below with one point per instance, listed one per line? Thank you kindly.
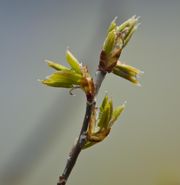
(75, 151)
(77, 76)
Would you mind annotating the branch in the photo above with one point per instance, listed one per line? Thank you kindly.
(75, 151)
(77, 76)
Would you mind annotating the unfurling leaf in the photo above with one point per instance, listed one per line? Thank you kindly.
(56, 66)
(116, 113)
(64, 79)
(128, 72)
(128, 28)
(104, 103)
(99, 130)
(116, 39)
(73, 62)
(113, 25)
(102, 112)
(109, 42)
(77, 76)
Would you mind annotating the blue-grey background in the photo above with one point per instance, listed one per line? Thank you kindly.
(38, 124)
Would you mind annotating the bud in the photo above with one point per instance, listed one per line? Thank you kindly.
(108, 115)
(99, 130)
(76, 76)
(87, 83)
(117, 38)
(128, 28)
(128, 72)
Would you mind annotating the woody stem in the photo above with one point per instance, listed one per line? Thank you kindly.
(76, 149)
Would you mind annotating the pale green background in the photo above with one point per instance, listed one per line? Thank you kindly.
(38, 124)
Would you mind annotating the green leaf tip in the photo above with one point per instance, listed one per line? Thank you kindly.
(128, 28)
(113, 25)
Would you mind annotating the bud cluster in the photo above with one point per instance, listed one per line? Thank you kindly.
(99, 128)
(75, 77)
(117, 38)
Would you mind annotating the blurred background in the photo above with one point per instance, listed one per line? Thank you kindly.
(39, 124)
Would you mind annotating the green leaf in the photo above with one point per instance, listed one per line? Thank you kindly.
(129, 69)
(105, 113)
(107, 116)
(72, 76)
(101, 112)
(112, 26)
(116, 113)
(105, 101)
(56, 66)
(73, 62)
(125, 75)
(110, 109)
(102, 119)
(109, 42)
(64, 79)
(131, 22)
(127, 72)
(129, 35)
(57, 83)
(128, 28)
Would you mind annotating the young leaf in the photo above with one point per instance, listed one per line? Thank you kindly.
(116, 113)
(104, 103)
(128, 72)
(107, 116)
(56, 66)
(128, 28)
(131, 22)
(102, 113)
(102, 119)
(73, 62)
(109, 42)
(56, 80)
(113, 25)
(110, 109)
(64, 79)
